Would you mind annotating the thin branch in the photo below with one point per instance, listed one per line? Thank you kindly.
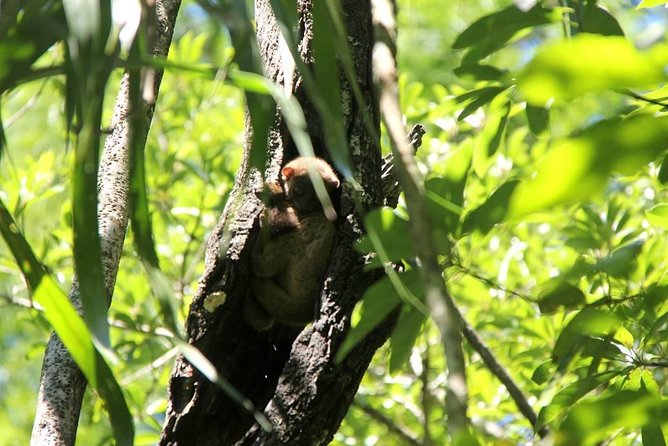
(157, 363)
(642, 98)
(494, 366)
(402, 432)
(439, 301)
(487, 281)
(425, 395)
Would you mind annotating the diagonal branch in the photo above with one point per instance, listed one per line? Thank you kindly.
(400, 431)
(438, 299)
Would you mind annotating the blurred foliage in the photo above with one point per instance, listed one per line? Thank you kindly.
(550, 216)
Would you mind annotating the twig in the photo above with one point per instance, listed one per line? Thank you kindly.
(489, 282)
(494, 366)
(426, 397)
(401, 431)
(642, 98)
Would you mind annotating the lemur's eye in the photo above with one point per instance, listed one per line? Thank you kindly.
(299, 190)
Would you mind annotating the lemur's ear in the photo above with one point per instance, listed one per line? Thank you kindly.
(288, 172)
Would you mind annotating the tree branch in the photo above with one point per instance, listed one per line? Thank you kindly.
(62, 385)
(402, 432)
(438, 299)
(497, 369)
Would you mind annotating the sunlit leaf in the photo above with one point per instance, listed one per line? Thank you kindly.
(565, 399)
(489, 139)
(651, 3)
(578, 168)
(624, 337)
(589, 63)
(658, 216)
(71, 329)
(591, 421)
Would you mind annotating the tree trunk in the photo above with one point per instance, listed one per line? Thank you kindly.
(291, 375)
(62, 385)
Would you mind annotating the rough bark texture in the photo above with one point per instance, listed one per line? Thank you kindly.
(62, 385)
(291, 375)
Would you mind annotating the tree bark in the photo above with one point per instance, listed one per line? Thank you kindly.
(62, 385)
(292, 375)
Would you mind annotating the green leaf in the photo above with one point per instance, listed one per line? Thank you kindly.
(589, 63)
(480, 97)
(328, 88)
(652, 435)
(658, 216)
(480, 72)
(592, 421)
(563, 295)
(597, 20)
(87, 250)
(489, 139)
(445, 194)
(588, 323)
(485, 92)
(404, 336)
(543, 373)
(492, 211)
(261, 108)
(657, 327)
(140, 217)
(20, 45)
(619, 262)
(577, 168)
(571, 394)
(490, 33)
(663, 170)
(379, 300)
(331, 49)
(538, 118)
